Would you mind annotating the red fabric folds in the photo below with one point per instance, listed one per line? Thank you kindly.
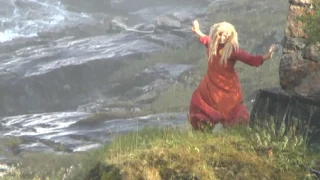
(218, 97)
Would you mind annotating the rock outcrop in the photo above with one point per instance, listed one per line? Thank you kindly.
(299, 70)
(298, 101)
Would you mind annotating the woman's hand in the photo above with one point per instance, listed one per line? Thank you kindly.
(196, 28)
(270, 53)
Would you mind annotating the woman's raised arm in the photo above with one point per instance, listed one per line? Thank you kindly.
(204, 39)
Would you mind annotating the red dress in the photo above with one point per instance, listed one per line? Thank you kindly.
(218, 97)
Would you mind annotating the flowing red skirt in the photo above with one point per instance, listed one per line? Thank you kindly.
(201, 114)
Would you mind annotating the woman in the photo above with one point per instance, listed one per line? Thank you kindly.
(218, 97)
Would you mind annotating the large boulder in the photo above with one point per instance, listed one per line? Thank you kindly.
(299, 69)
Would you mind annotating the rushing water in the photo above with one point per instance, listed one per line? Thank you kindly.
(55, 57)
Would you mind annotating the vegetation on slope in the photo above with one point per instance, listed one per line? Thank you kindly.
(311, 19)
(168, 153)
(235, 153)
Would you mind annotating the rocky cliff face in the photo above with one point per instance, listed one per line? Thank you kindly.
(299, 69)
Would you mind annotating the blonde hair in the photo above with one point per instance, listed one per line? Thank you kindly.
(231, 44)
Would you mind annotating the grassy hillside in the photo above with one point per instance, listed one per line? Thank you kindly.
(168, 153)
(162, 153)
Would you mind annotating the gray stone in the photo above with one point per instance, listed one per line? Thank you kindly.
(294, 44)
(164, 22)
(312, 52)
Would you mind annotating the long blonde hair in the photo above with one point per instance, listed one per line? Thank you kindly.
(231, 44)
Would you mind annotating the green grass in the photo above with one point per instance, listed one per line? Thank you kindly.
(166, 153)
(172, 153)
(311, 20)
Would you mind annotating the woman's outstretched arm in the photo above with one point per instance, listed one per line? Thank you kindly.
(243, 56)
(196, 29)
(204, 39)
(252, 60)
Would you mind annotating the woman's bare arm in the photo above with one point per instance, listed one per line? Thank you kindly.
(196, 29)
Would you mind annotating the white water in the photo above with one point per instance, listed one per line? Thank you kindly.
(26, 18)
(45, 79)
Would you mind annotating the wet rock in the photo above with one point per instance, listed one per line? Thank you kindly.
(139, 94)
(188, 16)
(299, 69)
(56, 80)
(134, 92)
(166, 23)
(89, 107)
(167, 70)
(115, 24)
(150, 92)
(149, 27)
(184, 13)
(116, 105)
(62, 73)
(156, 77)
(147, 98)
(168, 40)
(130, 94)
(161, 24)
(158, 85)
(122, 5)
(141, 26)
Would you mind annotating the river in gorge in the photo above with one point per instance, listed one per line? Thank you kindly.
(56, 55)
